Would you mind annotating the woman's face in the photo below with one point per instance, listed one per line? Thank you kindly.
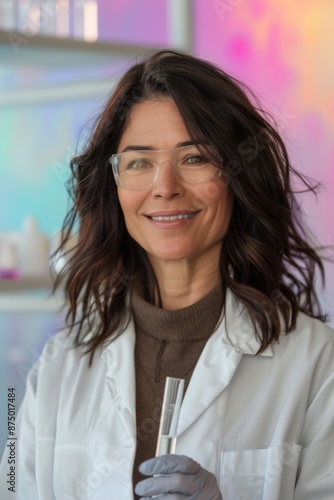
(158, 125)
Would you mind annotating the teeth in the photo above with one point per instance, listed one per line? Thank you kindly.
(173, 217)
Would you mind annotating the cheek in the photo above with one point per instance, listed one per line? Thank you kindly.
(217, 195)
(214, 192)
(130, 202)
(219, 200)
(127, 202)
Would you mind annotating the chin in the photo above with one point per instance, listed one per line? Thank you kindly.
(171, 254)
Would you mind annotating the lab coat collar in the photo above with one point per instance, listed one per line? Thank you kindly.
(239, 330)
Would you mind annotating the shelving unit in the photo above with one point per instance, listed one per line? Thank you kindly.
(30, 294)
(41, 302)
(26, 283)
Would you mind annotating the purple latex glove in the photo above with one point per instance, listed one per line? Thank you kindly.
(181, 478)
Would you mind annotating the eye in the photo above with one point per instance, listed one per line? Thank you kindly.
(195, 159)
(138, 164)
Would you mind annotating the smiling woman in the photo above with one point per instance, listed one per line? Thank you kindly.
(192, 262)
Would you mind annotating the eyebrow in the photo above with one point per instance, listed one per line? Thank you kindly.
(136, 147)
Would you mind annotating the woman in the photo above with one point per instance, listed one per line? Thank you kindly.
(192, 262)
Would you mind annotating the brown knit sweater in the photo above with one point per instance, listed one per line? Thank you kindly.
(168, 344)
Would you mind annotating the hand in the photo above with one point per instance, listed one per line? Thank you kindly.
(176, 478)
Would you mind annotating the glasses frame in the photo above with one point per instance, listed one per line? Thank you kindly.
(114, 158)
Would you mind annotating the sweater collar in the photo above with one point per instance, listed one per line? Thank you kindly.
(195, 322)
(233, 324)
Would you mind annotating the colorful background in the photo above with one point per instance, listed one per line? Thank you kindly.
(283, 50)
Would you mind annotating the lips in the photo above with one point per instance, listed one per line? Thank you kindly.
(172, 215)
(171, 218)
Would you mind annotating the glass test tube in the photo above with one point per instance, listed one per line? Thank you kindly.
(170, 412)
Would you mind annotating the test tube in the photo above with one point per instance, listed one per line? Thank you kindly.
(170, 412)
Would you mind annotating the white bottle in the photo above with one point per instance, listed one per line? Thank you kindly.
(79, 19)
(48, 15)
(8, 15)
(34, 250)
(85, 17)
(9, 261)
(63, 19)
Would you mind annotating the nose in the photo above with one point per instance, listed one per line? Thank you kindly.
(167, 183)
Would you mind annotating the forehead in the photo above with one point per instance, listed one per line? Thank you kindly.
(157, 124)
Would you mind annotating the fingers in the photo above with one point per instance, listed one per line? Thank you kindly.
(168, 496)
(176, 477)
(169, 464)
(176, 483)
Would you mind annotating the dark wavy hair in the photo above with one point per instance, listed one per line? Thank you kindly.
(266, 259)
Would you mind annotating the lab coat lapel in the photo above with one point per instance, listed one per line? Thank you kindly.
(120, 377)
(214, 371)
(234, 337)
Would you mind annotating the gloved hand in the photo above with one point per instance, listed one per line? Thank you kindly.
(181, 478)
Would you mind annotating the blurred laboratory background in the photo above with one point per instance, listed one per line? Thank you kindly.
(60, 59)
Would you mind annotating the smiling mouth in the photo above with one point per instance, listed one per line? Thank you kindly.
(173, 217)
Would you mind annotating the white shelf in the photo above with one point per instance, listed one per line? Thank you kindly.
(42, 68)
(29, 294)
(26, 284)
(62, 51)
(40, 302)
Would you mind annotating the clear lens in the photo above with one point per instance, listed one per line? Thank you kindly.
(138, 170)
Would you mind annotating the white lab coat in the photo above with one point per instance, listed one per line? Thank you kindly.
(264, 425)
